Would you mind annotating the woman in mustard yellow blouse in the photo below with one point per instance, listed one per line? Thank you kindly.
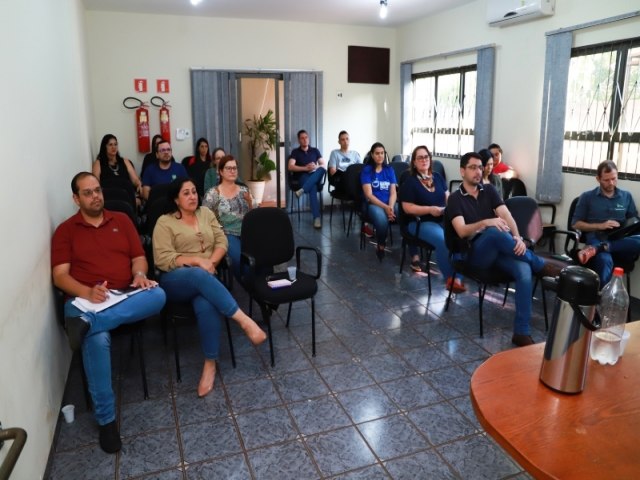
(188, 245)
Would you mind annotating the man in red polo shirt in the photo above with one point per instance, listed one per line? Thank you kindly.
(92, 253)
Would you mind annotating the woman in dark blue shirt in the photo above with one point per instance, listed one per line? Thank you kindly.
(379, 186)
(424, 194)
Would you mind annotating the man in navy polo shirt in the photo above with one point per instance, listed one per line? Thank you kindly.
(163, 172)
(597, 213)
(307, 165)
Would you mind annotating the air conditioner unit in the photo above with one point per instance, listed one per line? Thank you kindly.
(507, 12)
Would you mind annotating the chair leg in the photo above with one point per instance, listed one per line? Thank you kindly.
(313, 327)
(143, 368)
(175, 350)
(544, 305)
(85, 383)
(266, 316)
(482, 289)
(233, 355)
(331, 212)
(446, 305)
(288, 315)
(363, 240)
(344, 220)
(404, 253)
(429, 270)
(506, 292)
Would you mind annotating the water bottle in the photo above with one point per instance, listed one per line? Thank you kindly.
(614, 303)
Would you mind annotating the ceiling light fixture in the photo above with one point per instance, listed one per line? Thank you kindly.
(383, 9)
(195, 2)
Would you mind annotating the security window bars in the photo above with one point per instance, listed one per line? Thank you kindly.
(603, 109)
(444, 104)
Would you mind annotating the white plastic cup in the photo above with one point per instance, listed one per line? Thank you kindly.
(292, 273)
(68, 412)
(398, 278)
(624, 341)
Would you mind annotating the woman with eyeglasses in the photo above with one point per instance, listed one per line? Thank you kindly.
(230, 202)
(188, 245)
(379, 186)
(211, 176)
(424, 194)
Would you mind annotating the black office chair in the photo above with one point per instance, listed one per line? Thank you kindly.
(483, 277)
(400, 158)
(408, 239)
(294, 185)
(340, 195)
(526, 213)
(438, 167)
(454, 185)
(267, 241)
(353, 186)
(123, 207)
(399, 168)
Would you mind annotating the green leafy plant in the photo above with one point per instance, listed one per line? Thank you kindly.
(263, 138)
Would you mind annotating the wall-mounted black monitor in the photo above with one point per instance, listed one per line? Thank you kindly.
(368, 65)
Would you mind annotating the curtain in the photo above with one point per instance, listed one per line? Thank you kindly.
(213, 106)
(554, 100)
(484, 97)
(406, 98)
(303, 107)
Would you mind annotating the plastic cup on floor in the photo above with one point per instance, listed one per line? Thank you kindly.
(68, 412)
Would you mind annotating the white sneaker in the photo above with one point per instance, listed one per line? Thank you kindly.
(317, 223)
(299, 192)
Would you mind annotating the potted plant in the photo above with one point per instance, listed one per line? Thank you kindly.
(262, 132)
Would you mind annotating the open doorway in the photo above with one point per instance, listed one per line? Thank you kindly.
(257, 95)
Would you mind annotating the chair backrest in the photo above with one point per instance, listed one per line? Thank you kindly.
(454, 185)
(122, 206)
(185, 160)
(399, 168)
(161, 190)
(438, 167)
(513, 187)
(400, 158)
(450, 236)
(403, 176)
(352, 184)
(572, 210)
(526, 214)
(120, 189)
(267, 236)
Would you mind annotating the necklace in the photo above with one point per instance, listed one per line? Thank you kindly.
(426, 182)
(114, 170)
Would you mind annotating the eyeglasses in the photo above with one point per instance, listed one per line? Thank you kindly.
(90, 193)
(474, 167)
(231, 169)
(421, 158)
(164, 150)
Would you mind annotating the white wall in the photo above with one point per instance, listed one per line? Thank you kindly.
(45, 142)
(126, 46)
(520, 55)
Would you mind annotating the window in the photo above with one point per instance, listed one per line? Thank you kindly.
(602, 119)
(444, 105)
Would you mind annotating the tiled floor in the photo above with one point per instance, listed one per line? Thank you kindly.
(385, 397)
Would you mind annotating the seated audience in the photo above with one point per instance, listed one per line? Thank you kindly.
(230, 202)
(151, 157)
(487, 237)
(188, 245)
(163, 172)
(597, 213)
(499, 167)
(424, 194)
(306, 163)
(488, 177)
(109, 167)
(198, 165)
(379, 186)
(339, 161)
(93, 252)
(211, 175)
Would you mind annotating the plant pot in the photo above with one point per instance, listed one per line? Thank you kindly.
(257, 190)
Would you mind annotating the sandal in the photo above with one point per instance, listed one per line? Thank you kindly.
(415, 266)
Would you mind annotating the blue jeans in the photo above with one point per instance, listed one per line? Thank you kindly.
(96, 347)
(210, 299)
(433, 233)
(378, 217)
(495, 248)
(624, 249)
(309, 182)
(233, 251)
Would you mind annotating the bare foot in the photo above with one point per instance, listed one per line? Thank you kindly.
(207, 379)
(250, 328)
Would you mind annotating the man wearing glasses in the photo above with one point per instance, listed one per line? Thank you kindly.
(93, 253)
(165, 171)
(487, 236)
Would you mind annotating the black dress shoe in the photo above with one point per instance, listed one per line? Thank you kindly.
(76, 328)
(110, 438)
(522, 340)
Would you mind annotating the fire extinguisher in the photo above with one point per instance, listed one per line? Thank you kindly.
(142, 123)
(165, 124)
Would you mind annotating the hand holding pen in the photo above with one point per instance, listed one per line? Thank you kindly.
(99, 292)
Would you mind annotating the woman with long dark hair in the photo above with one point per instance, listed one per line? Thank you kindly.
(379, 186)
(112, 169)
(188, 245)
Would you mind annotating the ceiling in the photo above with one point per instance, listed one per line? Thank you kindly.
(349, 12)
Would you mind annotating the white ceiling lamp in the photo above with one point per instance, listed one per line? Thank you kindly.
(383, 9)
(195, 2)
